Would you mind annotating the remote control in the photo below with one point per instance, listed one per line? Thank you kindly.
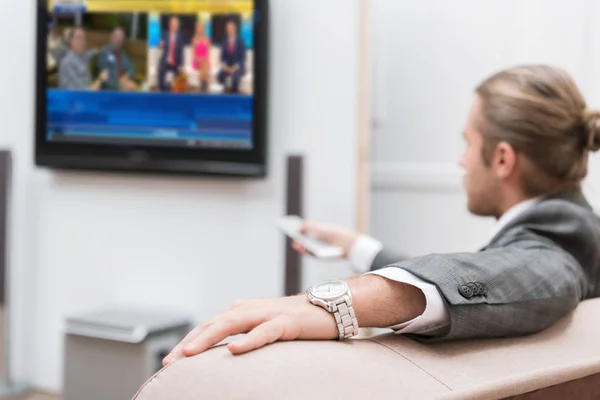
(291, 224)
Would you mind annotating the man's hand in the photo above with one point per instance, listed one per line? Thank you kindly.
(265, 321)
(377, 301)
(127, 84)
(228, 70)
(328, 233)
(104, 75)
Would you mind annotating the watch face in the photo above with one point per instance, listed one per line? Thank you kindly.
(329, 290)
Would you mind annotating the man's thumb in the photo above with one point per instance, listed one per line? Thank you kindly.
(305, 228)
(313, 230)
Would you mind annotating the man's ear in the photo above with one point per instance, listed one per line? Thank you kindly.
(505, 160)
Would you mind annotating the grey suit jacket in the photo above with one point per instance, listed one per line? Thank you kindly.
(532, 273)
(107, 60)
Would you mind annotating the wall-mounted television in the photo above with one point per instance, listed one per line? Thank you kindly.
(176, 86)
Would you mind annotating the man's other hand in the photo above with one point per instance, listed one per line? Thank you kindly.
(329, 233)
(377, 302)
(104, 75)
(264, 321)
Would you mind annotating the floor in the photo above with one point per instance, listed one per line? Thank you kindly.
(41, 397)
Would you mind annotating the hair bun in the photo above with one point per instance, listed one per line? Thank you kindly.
(591, 130)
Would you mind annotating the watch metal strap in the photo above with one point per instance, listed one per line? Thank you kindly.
(344, 317)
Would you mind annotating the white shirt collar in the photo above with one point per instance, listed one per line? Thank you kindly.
(511, 214)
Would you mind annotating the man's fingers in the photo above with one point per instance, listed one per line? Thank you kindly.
(177, 351)
(299, 248)
(309, 227)
(221, 329)
(260, 336)
(317, 230)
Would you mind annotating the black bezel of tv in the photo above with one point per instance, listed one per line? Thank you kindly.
(138, 158)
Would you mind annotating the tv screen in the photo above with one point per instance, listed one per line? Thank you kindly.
(162, 85)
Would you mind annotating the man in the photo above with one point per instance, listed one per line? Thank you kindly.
(528, 135)
(57, 46)
(74, 69)
(171, 60)
(233, 59)
(114, 59)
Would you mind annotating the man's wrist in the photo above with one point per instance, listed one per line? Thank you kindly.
(318, 323)
(380, 302)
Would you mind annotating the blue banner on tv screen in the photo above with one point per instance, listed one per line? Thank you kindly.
(218, 118)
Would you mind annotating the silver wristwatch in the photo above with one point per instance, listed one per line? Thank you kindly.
(334, 296)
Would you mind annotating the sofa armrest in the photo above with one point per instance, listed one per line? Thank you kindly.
(392, 365)
(285, 370)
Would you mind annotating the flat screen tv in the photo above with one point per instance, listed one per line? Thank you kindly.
(174, 86)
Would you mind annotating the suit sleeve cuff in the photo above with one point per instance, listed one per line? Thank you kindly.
(436, 314)
(363, 253)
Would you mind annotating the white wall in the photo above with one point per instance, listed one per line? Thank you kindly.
(80, 240)
(428, 57)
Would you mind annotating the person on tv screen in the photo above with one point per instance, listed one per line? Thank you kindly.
(201, 47)
(233, 59)
(114, 59)
(171, 60)
(74, 70)
(57, 46)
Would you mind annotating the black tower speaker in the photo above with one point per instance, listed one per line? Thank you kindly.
(294, 203)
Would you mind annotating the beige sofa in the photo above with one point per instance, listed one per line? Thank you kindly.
(560, 363)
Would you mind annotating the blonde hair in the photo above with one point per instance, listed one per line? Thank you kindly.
(541, 113)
